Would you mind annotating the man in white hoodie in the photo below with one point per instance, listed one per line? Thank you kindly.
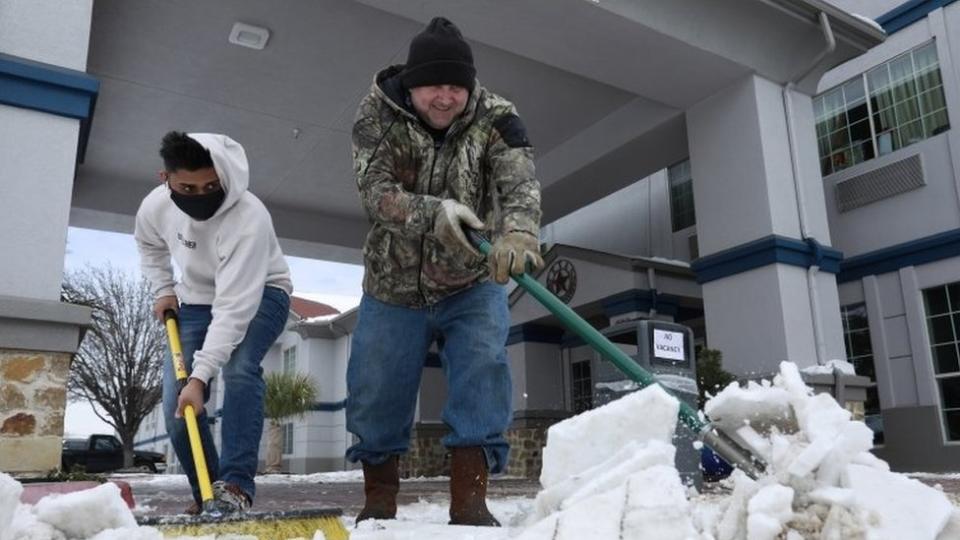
(232, 300)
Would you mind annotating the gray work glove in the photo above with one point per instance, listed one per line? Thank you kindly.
(510, 254)
(448, 224)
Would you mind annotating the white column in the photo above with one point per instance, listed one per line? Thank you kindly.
(759, 311)
(44, 95)
(38, 149)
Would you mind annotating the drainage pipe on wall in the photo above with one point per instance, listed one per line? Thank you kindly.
(812, 290)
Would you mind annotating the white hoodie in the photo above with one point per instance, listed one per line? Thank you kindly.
(224, 261)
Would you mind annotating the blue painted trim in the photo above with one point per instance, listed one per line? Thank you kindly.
(627, 301)
(763, 252)
(908, 13)
(534, 333)
(924, 250)
(50, 89)
(329, 406)
(642, 300)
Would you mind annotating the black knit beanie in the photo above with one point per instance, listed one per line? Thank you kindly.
(439, 55)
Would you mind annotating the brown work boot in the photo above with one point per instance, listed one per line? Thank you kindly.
(193, 509)
(468, 488)
(230, 498)
(380, 486)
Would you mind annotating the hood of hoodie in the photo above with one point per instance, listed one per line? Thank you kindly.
(230, 162)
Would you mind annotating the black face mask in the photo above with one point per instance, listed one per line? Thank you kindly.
(199, 207)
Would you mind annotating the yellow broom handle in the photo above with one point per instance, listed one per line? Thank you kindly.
(190, 416)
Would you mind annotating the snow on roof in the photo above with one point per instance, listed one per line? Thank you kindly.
(845, 368)
(320, 319)
(869, 21)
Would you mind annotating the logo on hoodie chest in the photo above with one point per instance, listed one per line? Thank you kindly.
(189, 244)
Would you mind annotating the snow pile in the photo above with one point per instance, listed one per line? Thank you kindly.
(581, 442)
(821, 479)
(98, 513)
(10, 491)
(609, 473)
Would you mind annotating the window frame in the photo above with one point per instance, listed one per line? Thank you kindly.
(675, 182)
(848, 344)
(577, 394)
(870, 93)
(288, 439)
(290, 359)
(953, 312)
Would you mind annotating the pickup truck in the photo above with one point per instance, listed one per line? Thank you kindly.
(104, 453)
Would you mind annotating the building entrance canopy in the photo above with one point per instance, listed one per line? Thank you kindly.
(602, 87)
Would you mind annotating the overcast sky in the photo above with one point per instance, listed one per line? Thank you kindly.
(336, 284)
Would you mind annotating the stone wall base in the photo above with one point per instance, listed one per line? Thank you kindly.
(32, 404)
(527, 436)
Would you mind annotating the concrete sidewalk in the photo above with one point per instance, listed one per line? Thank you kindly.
(166, 498)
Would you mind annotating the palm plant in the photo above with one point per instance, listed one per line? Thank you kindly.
(288, 394)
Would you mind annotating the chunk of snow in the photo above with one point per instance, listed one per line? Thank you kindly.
(768, 511)
(760, 405)
(649, 505)
(10, 491)
(611, 472)
(904, 507)
(83, 514)
(577, 444)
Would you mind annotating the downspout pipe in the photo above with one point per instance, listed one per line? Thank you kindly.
(652, 283)
(812, 290)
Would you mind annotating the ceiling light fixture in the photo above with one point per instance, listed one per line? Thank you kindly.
(247, 35)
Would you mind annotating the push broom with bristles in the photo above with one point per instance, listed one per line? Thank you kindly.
(280, 525)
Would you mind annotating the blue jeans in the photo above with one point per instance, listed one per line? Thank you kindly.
(389, 347)
(243, 391)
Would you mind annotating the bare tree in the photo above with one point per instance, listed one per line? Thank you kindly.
(119, 364)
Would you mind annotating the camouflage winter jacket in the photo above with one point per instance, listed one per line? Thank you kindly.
(484, 162)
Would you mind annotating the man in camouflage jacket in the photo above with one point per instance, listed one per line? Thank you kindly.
(434, 151)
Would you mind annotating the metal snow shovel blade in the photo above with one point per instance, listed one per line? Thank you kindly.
(710, 435)
(278, 525)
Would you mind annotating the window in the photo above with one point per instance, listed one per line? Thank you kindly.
(105, 444)
(942, 305)
(290, 360)
(856, 338)
(906, 105)
(582, 386)
(288, 438)
(681, 196)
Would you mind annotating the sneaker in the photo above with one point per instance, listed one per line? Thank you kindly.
(230, 498)
(193, 509)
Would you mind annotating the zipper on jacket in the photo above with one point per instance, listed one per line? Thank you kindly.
(437, 145)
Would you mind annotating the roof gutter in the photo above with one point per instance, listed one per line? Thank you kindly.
(846, 27)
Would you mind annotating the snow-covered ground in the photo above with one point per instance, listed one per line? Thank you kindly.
(609, 473)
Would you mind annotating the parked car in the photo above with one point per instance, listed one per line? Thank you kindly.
(104, 453)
